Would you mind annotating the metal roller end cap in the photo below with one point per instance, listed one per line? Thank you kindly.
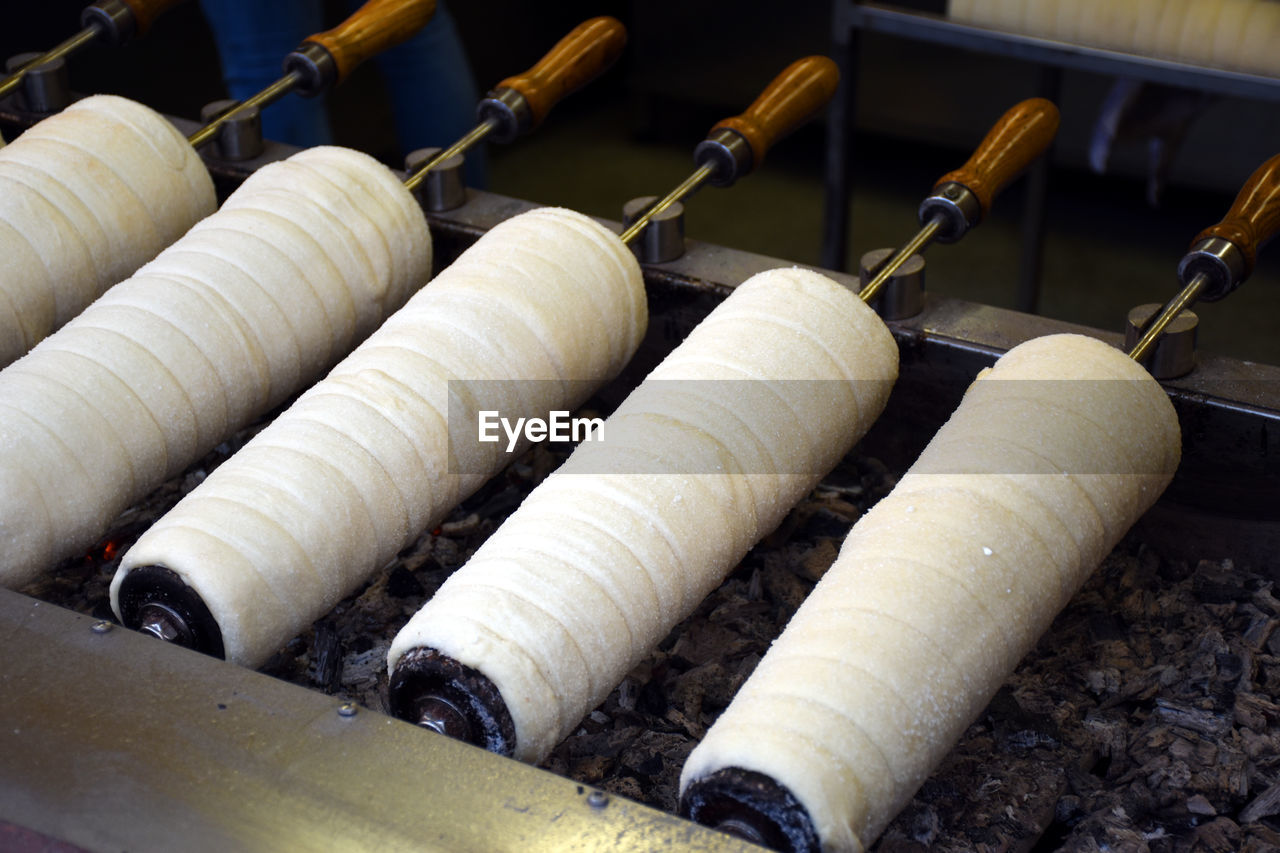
(443, 717)
(165, 623)
(741, 829)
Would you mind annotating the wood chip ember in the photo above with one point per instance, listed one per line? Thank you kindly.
(1148, 719)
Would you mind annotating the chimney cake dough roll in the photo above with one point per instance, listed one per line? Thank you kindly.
(701, 461)
(87, 197)
(251, 304)
(948, 582)
(547, 306)
(1237, 35)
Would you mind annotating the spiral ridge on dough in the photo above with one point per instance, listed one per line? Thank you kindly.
(363, 461)
(86, 197)
(251, 304)
(948, 582)
(1238, 35)
(704, 458)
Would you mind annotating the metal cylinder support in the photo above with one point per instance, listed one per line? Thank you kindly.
(45, 89)
(239, 138)
(663, 238)
(902, 296)
(1174, 354)
(444, 187)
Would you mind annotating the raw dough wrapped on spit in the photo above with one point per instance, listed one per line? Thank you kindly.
(537, 314)
(86, 197)
(703, 459)
(254, 302)
(946, 584)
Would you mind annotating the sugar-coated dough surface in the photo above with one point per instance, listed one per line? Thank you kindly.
(86, 197)
(227, 322)
(703, 459)
(945, 585)
(547, 306)
(1238, 35)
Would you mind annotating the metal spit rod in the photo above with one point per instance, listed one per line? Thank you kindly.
(117, 20)
(518, 104)
(1223, 255)
(962, 198)
(736, 146)
(325, 59)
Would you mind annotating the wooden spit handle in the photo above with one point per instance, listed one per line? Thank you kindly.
(1021, 135)
(802, 89)
(146, 11)
(1254, 217)
(371, 29)
(576, 60)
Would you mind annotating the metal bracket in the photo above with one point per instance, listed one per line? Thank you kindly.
(903, 294)
(444, 188)
(1174, 354)
(45, 89)
(240, 137)
(662, 240)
